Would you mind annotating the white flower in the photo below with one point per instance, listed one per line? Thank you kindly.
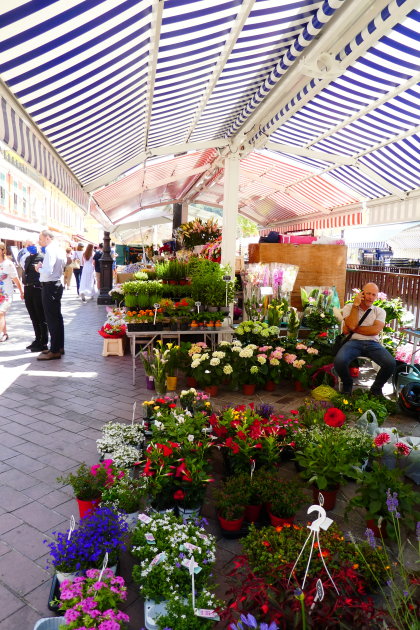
(215, 361)
(195, 364)
(219, 355)
(227, 369)
(190, 438)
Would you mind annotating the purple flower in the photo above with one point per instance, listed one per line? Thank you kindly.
(370, 538)
(392, 503)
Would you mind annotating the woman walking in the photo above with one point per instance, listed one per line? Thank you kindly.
(78, 265)
(8, 276)
(87, 281)
(68, 269)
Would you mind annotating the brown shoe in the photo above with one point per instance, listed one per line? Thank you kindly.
(46, 351)
(49, 356)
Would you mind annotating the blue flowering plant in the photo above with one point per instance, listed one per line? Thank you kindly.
(101, 532)
(67, 553)
(93, 601)
(249, 621)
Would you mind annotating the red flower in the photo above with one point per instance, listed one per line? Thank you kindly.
(381, 439)
(166, 451)
(334, 417)
(266, 543)
(323, 334)
(179, 495)
(402, 449)
(172, 406)
(295, 412)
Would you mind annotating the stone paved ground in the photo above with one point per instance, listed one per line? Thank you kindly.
(50, 416)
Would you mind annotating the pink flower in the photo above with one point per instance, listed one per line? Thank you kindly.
(289, 358)
(381, 439)
(402, 449)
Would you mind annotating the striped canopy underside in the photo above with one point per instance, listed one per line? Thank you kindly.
(106, 81)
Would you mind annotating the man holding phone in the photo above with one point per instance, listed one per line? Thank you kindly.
(364, 341)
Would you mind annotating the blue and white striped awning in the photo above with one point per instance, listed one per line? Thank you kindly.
(94, 89)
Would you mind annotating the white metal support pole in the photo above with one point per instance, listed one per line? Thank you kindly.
(230, 213)
(184, 212)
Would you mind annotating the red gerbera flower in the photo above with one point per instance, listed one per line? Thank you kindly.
(381, 439)
(334, 417)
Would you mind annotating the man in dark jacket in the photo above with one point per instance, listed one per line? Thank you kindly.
(33, 299)
(96, 258)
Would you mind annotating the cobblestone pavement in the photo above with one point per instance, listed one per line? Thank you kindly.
(51, 415)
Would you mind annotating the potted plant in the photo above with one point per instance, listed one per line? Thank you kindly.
(88, 483)
(67, 555)
(126, 496)
(330, 453)
(283, 498)
(115, 434)
(231, 497)
(171, 366)
(155, 362)
(249, 369)
(375, 493)
(192, 475)
(97, 607)
(103, 531)
(208, 368)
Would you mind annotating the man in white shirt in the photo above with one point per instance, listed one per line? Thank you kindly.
(50, 274)
(364, 341)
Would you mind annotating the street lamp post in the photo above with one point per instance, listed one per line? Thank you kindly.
(105, 263)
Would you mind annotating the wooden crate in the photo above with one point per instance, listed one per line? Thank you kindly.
(319, 265)
(114, 347)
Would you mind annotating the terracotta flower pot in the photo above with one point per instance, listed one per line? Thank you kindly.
(270, 386)
(298, 386)
(87, 507)
(330, 496)
(252, 513)
(191, 381)
(277, 521)
(230, 526)
(212, 390)
(248, 390)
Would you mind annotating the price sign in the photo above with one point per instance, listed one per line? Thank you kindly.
(159, 558)
(144, 518)
(206, 613)
(227, 278)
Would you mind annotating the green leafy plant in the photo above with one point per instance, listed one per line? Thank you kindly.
(126, 495)
(331, 453)
(371, 494)
(231, 497)
(87, 484)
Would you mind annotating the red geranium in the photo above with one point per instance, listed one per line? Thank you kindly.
(179, 495)
(334, 417)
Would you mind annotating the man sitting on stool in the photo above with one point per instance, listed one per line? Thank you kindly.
(364, 341)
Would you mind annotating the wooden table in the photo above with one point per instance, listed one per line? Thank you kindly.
(150, 336)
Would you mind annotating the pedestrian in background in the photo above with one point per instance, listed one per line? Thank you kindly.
(33, 299)
(68, 269)
(87, 281)
(8, 277)
(50, 274)
(78, 264)
(96, 258)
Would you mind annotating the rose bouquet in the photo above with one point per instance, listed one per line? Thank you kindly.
(112, 331)
(90, 602)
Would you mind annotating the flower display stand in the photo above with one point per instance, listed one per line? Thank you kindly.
(114, 347)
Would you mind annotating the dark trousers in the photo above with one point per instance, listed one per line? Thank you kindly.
(78, 275)
(33, 303)
(359, 348)
(51, 301)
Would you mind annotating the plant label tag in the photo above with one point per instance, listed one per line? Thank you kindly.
(252, 467)
(159, 558)
(202, 536)
(227, 278)
(319, 590)
(189, 546)
(326, 523)
(72, 526)
(206, 613)
(150, 539)
(191, 565)
(144, 518)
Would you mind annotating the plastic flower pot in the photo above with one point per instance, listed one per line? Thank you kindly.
(212, 390)
(87, 507)
(189, 513)
(150, 383)
(191, 381)
(278, 521)
(354, 372)
(171, 383)
(231, 526)
(270, 386)
(248, 390)
(252, 513)
(330, 496)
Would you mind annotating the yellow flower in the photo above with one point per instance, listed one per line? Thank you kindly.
(345, 402)
(360, 410)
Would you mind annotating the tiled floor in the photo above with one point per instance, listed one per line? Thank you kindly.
(50, 416)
